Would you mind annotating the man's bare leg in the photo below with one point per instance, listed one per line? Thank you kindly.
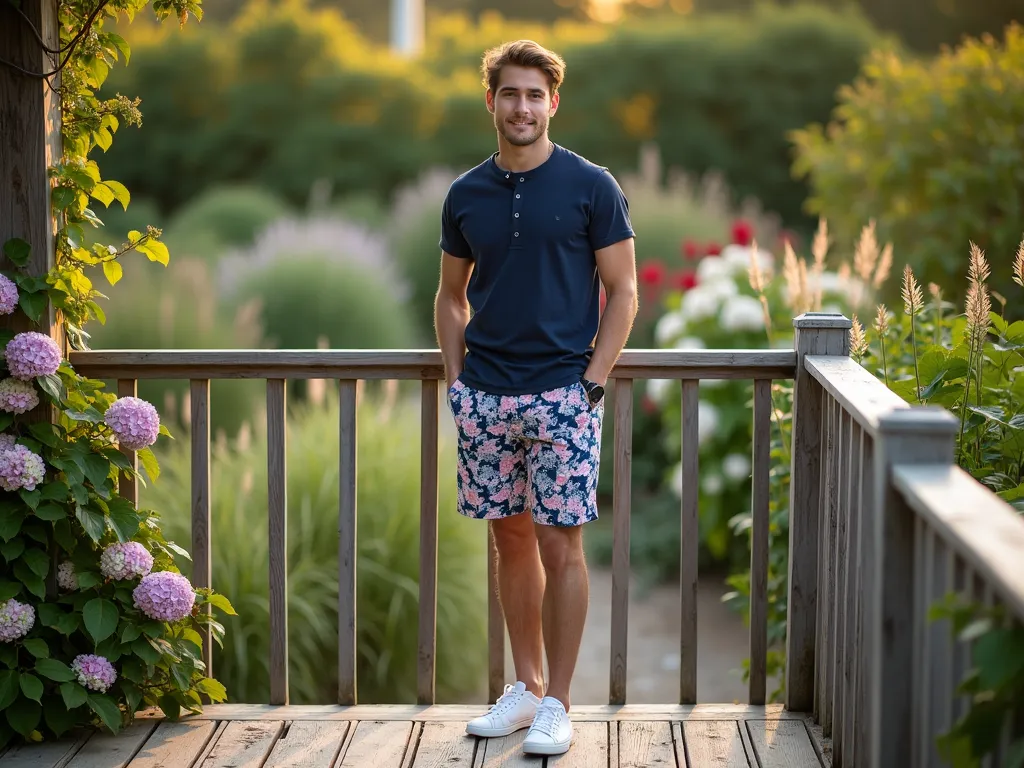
(566, 599)
(521, 593)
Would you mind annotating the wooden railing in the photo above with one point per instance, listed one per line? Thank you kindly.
(900, 527)
(868, 529)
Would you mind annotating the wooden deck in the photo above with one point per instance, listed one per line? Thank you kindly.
(240, 736)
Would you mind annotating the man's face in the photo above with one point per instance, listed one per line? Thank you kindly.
(522, 104)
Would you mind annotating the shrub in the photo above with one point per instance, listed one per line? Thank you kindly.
(387, 561)
(230, 216)
(931, 150)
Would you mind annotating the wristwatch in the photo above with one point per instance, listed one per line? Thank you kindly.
(595, 392)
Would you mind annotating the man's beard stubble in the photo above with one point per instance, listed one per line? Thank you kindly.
(522, 140)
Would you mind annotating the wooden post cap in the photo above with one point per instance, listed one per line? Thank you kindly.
(822, 320)
(924, 420)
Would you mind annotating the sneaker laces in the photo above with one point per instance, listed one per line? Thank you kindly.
(505, 701)
(547, 719)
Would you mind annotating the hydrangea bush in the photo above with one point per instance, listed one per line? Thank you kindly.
(96, 621)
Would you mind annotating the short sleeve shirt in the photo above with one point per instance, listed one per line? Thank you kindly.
(535, 290)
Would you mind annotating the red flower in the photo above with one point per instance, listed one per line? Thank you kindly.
(685, 280)
(650, 407)
(742, 232)
(652, 273)
(713, 249)
(690, 249)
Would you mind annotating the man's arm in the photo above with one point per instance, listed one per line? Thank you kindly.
(451, 313)
(616, 266)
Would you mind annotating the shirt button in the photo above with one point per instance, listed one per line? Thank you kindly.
(506, 175)
(517, 197)
(517, 234)
(517, 215)
(521, 178)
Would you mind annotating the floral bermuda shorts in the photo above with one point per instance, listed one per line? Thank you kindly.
(536, 452)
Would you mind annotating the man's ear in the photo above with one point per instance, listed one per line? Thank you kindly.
(554, 103)
(489, 100)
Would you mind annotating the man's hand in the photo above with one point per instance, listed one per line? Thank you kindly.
(451, 314)
(616, 266)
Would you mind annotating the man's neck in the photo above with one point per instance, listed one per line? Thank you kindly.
(522, 159)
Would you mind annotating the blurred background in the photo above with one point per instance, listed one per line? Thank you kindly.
(296, 153)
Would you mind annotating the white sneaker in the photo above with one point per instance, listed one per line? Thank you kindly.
(513, 711)
(551, 732)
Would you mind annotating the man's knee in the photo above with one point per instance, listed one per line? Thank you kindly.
(560, 547)
(514, 536)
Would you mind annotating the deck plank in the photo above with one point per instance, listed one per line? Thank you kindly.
(444, 744)
(376, 742)
(310, 744)
(713, 743)
(175, 744)
(782, 744)
(504, 752)
(106, 750)
(244, 745)
(53, 754)
(589, 748)
(646, 745)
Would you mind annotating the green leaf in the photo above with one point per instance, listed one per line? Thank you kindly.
(6, 419)
(17, 251)
(49, 614)
(46, 433)
(131, 633)
(121, 45)
(56, 670)
(12, 549)
(38, 561)
(170, 706)
(89, 579)
(58, 717)
(31, 497)
(37, 647)
(97, 311)
(145, 651)
(96, 468)
(55, 491)
(8, 687)
(52, 386)
(998, 657)
(149, 463)
(123, 518)
(11, 518)
(107, 709)
(120, 192)
(69, 623)
(132, 695)
(101, 618)
(24, 717)
(212, 688)
(31, 686)
(51, 512)
(93, 523)
(75, 235)
(27, 576)
(221, 602)
(33, 305)
(63, 534)
(156, 251)
(112, 271)
(103, 193)
(62, 197)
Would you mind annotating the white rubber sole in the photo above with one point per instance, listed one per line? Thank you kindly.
(547, 749)
(492, 733)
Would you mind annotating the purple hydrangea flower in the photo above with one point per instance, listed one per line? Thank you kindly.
(20, 468)
(67, 579)
(165, 596)
(125, 561)
(135, 422)
(94, 672)
(17, 396)
(32, 354)
(6, 442)
(8, 295)
(16, 619)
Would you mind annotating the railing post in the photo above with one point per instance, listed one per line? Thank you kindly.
(816, 333)
(905, 436)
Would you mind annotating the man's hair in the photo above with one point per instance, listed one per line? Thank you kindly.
(523, 53)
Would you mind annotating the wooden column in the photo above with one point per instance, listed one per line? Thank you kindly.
(817, 333)
(923, 435)
(30, 142)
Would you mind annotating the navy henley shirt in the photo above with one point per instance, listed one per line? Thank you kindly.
(535, 289)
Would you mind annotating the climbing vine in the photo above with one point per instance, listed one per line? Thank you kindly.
(96, 620)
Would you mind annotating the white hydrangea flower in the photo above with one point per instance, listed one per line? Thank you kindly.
(738, 257)
(690, 342)
(699, 303)
(742, 313)
(675, 482)
(712, 269)
(669, 326)
(712, 484)
(736, 466)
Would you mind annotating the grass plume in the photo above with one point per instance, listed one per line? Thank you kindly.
(882, 329)
(858, 339)
(1018, 266)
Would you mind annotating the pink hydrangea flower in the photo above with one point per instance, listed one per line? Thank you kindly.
(125, 561)
(16, 620)
(67, 579)
(94, 672)
(135, 422)
(165, 596)
(32, 354)
(20, 468)
(8, 295)
(17, 396)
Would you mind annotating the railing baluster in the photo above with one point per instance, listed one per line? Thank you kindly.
(845, 755)
(757, 689)
(278, 530)
(941, 674)
(827, 436)
(840, 550)
(689, 543)
(426, 667)
(347, 466)
(962, 579)
(865, 597)
(924, 552)
(202, 551)
(621, 490)
(495, 624)
(127, 487)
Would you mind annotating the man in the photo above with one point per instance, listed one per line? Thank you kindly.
(527, 239)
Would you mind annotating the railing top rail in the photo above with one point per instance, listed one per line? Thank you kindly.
(975, 523)
(406, 364)
(860, 393)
